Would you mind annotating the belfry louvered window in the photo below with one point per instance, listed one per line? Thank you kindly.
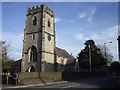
(49, 23)
(35, 21)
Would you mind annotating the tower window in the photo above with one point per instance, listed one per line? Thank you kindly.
(33, 36)
(48, 23)
(35, 21)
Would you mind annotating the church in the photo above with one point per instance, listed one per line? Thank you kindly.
(40, 53)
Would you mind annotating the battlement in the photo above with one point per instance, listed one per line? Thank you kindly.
(40, 8)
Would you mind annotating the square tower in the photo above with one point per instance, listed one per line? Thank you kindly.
(39, 40)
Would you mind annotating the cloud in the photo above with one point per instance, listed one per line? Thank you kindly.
(57, 20)
(71, 21)
(96, 37)
(82, 15)
(89, 19)
(105, 36)
(92, 11)
(110, 34)
(119, 29)
(79, 36)
(87, 14)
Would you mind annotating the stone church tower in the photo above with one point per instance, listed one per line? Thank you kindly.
(39, 40)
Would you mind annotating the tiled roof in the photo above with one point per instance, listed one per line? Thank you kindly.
(63, 53)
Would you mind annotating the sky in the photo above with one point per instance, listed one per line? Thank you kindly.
(75, 22)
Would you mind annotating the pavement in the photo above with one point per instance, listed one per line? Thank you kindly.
(25, 86)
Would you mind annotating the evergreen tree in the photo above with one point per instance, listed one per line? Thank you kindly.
(98, 62)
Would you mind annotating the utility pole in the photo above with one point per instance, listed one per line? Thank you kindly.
(105, 52)
(90, 58)
(76, 65)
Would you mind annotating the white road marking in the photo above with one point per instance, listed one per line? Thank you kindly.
(35, 85)
(71, 86)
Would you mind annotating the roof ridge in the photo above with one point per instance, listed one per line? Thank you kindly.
(63, 53)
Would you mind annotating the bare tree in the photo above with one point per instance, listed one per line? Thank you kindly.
(6, 62)
(4, 51)
(105, 51)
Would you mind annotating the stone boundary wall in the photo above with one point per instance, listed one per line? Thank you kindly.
(28, 75)
(55, 76)
(43, 77)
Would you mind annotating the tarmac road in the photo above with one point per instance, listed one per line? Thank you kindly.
(96, 82)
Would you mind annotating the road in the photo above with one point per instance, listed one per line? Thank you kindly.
(96, 82)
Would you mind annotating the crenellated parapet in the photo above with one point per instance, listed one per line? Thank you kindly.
(40, 8)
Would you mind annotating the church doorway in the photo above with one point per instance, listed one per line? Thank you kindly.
(32, 69)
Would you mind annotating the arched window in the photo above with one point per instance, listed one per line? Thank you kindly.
(35, 21)
(33, 54)
(49, 23)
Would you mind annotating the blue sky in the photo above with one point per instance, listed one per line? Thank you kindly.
(74, 24)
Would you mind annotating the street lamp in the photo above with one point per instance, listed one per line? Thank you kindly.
(106, 52)
(106, 57)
